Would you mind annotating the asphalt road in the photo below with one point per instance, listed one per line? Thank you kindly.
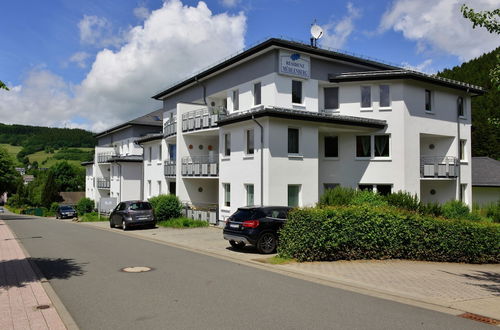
(192, 291)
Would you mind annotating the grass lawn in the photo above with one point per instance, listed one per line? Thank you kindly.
(182, 223)
(40, 156)
(13, 151)
(92, 217)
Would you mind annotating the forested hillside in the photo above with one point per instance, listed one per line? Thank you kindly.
(485, 108)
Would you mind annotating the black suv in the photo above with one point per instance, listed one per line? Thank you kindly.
(257, 226)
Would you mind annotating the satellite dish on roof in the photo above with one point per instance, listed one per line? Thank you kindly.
(316, 33)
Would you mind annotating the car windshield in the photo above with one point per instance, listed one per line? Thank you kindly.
(66, 208)
(247, 214)
(140, 206)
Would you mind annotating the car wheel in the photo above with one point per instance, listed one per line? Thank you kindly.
(267, 243)
(111, 224)
(237, 245)
(57, 217)
(124, 225)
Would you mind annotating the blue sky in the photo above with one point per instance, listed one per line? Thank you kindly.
(73, 61)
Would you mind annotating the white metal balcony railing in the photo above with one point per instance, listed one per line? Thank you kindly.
(170, 128)
(104, 157)
(204, 166)
(439, 167)
(201, 119)
(201, 211)
(170, 168)
(103, 183)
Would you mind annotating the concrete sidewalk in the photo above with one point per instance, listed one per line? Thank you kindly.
(449, 287)
(24, 304)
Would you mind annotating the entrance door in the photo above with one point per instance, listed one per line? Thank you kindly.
(171, 187)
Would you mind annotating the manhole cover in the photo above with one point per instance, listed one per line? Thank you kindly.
(480, 318)
(138, 269)
(42, 306)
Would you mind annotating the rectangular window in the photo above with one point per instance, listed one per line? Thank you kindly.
(331, 146)
(236, 99)
(462, 149)
(366, 97)
(297, 91)
(293, 141)
(385, 96)
(149, 188)
(159, 187)
(257, 93)
(172, 152)
(460, 106)
(384, 189)
(363, 146)
(250, 142)
(159, 153)
(368, 187)
(293, 195)
(428, 100)
(150, 149)
(250, 194)
(227, 144)
(381, 145)
(227, 194)
(171, 187)
(331, 98)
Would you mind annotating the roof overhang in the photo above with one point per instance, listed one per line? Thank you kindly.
(149, 138)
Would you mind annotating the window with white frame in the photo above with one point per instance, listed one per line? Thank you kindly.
(462, 150)
(428, 100)
(149, 188)
(227, 194)
(385, 96)
(293, 195)
(159, 153)
(293, 140)
(366, 97)
(369, 146)
(159, 187)
(250, 142)
(382, 189)
(363, 146)
(331, 96)
(331, 146)
(257, 93)
(297, 91)
(227, 144)
(250, 194)
(236, 99)
(381, 145)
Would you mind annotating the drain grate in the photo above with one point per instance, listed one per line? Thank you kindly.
(42, 307)
(138, 269)
(479, 318)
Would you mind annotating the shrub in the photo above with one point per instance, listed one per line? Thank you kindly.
(432, 209)
(493, 212)
(367, 197)
(404, 200)
(54, 206)
(455, 210)
(85, 205)
(337, 196)
(182, 223)
(366, 232)
(166, 207)
(92, 217)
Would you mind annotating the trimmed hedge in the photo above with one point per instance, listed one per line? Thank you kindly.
(367, 232)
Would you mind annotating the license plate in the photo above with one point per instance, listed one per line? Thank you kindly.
(142, 218)
(234, 225)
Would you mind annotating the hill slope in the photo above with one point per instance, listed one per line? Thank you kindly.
(485, 108)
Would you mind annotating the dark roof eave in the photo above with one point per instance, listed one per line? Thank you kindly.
(149, 138)
(123, 160)
(87, 163)
(486, 185)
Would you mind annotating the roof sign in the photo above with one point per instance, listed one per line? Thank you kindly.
(295, 64)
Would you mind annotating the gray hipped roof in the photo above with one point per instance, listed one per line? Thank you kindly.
(154, 118)
(485, 172)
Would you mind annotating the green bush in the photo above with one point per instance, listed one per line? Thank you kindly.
(54, 206)
(92, 217)
(432, 209)
(367, 232)
(166, 207)
(404, 200)
(368, 197)
(337, 196)
(85, 205)
(493, 211)
(455, 210)
(182, 223)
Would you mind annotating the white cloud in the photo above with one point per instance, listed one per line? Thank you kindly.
(98, 31)
(439, 25)
(80, 58)
(141, 12)
(229, 3)
(173, 42)
(335, 34)
(425, 66)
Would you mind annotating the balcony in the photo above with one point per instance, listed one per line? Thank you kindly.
(104, 157)
(200, 166)
(103, 183)
(170, 127)
(443, 167)
(170, 168)
(201, 119)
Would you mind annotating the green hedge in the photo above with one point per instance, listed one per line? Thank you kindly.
(166, 207)
(367, 232)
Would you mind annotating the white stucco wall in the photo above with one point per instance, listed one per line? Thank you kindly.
(154, 169)
(485, 195)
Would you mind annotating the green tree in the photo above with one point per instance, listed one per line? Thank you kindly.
(50, 191)
(3, 86)
(9, 177)
(68, 177)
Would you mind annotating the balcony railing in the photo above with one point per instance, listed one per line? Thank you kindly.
(439, 167)
(202, 211)
(103, 183)
(202, 166)
(170, 128)
(104, 157)
(201, 119)
(170, 168)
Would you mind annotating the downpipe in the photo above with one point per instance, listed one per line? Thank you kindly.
(261, 161)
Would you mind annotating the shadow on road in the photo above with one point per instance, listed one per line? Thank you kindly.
(17, 273)
(486, 280)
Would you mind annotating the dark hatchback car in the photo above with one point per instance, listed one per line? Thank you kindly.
(65, 212)
(256, 225)
(132, 214)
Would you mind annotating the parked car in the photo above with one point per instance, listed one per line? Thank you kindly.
(65, 212)
(1, 209)
(256, 226)
(131, 214)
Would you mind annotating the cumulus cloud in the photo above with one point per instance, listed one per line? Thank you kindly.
(80, 59)
(98, 31)
(439, 25)
(141, 12)
(335, 34)
(425, 66)
(174, 42)
(229, 3)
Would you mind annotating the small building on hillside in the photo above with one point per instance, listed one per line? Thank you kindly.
(485, 180)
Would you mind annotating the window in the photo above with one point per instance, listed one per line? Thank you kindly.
(368, 187)
(428, 100)
(462, 149)
(227, 144)
(250, 194)
(331, 146)
(296, 91)
(293, 141)
(172, 152)
(363, 146)
(159, 153)
(327, 186)
(257, 93)
(171, 187)
(331, 98)
(293, 195)
(366, 97)
(384, 189)
(149, 188)
(385, 96)
(159, 187)
(250, 142)
(150, 149)
(460, 106)
(381, 146)
(227, 194)
(236, 99)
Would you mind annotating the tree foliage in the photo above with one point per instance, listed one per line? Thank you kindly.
(50, 191)
(3, 86)
(9, 177)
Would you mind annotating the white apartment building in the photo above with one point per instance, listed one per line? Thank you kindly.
(282, 121)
